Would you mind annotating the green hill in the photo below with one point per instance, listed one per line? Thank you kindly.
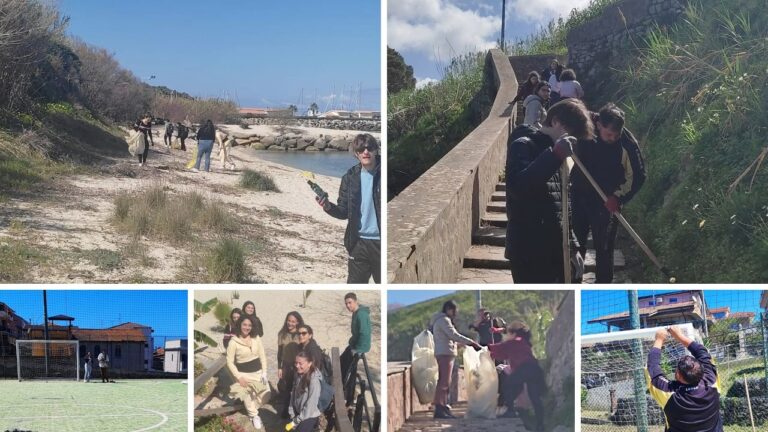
(695, 95)
(536, 308)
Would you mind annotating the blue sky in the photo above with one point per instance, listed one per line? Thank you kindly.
(163, 310)
(260, 52)
(409, 297)
(596, 303)
(428, 33)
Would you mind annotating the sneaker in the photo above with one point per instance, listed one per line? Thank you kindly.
(195, 170)
(141, 164)
(256, 420)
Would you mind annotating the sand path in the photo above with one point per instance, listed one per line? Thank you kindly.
(289, 238)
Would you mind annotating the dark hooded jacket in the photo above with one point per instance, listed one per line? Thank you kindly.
(534, 212)
(348, 206)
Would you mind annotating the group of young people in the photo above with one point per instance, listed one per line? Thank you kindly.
(303, 368)
(206, 135)
(536, 150)
(103, 361)
(517, 366)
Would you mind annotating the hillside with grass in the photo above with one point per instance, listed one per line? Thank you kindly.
(535, 308)
(695, 95)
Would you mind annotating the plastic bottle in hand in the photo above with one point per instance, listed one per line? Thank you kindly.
(321, 194)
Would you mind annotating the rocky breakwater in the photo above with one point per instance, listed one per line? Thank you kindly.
(369, 125)
(296, 142)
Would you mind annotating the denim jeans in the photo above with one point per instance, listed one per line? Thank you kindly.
(87, 376)
(204, 147)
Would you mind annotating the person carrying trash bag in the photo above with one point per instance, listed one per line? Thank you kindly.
(534, 241)
(168, 137)
(521, 371)
(144, 127)
(446, 338)
(424, 374)
(182, 132)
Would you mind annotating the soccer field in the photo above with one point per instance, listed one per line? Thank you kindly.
(69, 406)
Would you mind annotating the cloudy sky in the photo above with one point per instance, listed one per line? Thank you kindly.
(428, 33)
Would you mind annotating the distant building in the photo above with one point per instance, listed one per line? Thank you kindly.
(343, 114)
(175, 356)
(12, 327)
(265, 112)
(743, 319)
(658, 310)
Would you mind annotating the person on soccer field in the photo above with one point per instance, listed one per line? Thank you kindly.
(103, 359)
(287, 348)
(250, 309)
(691, 402)
(305, 397)
(247, 363)
(88, 365)
(231, 328)
(360, 204)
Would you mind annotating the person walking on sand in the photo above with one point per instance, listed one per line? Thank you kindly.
(360, 204)
(144, 127)
(88, 365)
(359, 342)
(168, 137)
(205, 136)
(691, 402)
(225, 143)
(534, 244)
(446, 337)
(247, 363)
(103, 359)
(182, 133)
(521, 371)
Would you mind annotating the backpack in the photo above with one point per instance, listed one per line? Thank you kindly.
(326, 395)
(326, 369)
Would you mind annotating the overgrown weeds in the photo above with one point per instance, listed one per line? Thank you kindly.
(17, 259)
(226, 262)
(257, 181)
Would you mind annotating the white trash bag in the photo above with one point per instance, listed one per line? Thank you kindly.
(482, 383)
(136, 143)
(424, 367)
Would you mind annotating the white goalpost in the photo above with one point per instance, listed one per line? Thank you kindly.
(48, 359)
(613, 378)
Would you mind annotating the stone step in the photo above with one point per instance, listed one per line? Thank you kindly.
(486, 257)
(496, 207)
(490, 235)
(499, 196)
(618, 260)
(501, 187)
(494, 219)
(484, 276)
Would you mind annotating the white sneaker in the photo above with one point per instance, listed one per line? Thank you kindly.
(256, 420)
(141, 164)
(195, 170)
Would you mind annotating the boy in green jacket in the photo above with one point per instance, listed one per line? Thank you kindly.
(359, 343)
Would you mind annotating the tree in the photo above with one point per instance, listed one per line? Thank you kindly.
(399, 75)
(314, 108)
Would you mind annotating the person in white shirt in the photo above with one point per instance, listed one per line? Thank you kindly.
(103, 359)
(569, 87)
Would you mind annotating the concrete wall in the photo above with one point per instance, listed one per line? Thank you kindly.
(597, 45)
(559, 348)
(402, 400)
(430, 223)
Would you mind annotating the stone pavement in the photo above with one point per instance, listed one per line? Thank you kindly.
(423, 422)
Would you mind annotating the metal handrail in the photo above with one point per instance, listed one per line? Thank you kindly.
(340, 419)
(361, 407)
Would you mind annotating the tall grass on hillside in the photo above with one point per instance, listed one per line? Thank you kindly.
(551, 39)
(197, 110)
(424, 124)
(698, 100)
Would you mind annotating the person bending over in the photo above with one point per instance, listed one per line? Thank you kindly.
(691, 402)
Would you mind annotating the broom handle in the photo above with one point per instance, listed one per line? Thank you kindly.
(749, 404)
(566, 228)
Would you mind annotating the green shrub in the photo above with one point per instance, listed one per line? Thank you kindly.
(257, 181)
(104, 259)
(226, 262)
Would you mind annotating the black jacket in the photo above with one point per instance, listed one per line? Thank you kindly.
(546, 73)
(348, 206)
(533, 198)
(618, 169)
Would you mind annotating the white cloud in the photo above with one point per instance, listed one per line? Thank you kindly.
(543, 11)
(423, 82)
(439, 29)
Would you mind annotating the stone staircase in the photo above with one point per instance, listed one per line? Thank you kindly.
(423, 422)
(485, 262)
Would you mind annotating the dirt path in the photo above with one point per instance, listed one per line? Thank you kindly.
(67, 236)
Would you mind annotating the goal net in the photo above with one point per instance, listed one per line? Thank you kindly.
(48, 359)
(613, 379)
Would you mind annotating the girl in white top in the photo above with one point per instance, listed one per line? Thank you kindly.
(569, 87)
(247, 362)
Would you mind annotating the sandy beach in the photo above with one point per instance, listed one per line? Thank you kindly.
(297, 241)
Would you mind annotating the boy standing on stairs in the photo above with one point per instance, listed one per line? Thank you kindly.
(534, 234)
(613, 158)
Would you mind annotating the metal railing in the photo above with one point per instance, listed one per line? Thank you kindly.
(361, 411)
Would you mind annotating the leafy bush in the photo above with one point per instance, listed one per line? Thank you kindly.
(257, 181)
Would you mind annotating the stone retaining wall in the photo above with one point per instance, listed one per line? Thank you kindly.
(597, 45)
(430, 223)
(296, 142)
